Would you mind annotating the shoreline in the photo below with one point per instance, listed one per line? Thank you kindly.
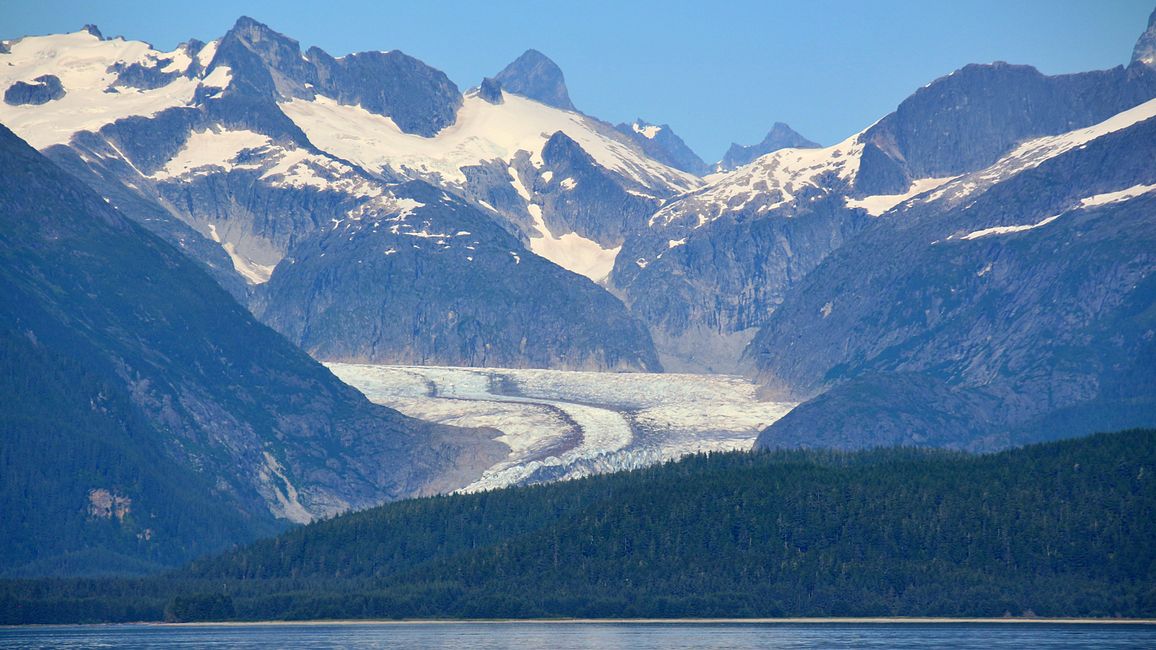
(632, 621)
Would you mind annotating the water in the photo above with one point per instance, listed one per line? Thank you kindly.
(600, 636)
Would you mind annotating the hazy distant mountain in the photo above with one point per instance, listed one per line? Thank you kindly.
(662, 144)
(780, 136)
(716, 262)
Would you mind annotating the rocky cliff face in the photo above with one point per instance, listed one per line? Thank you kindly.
(41, 90)
(535, 76)
(134, 373)
(724, 280)
(439, 283)
(580, 196)
(968, 119)
(264, 64)
(1145, 50)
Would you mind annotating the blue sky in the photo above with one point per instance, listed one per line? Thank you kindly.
(717, 72)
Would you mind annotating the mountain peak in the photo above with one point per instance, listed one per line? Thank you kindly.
(252, 31)
(1145, 50)
(248, 23)
(661, 143)
(781, 136)
(535, 76)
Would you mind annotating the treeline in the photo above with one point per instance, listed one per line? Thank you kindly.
(1059, 529)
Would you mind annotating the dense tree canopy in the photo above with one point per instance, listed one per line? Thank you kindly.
(1059, 529)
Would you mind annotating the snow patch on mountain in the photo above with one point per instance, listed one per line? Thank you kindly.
(1035, 152)
(1006, 230)
(1116, 197)
(572, 251)
(219, 77)
(482, 132)
(880, 203)
(770, 182)
(85, 65)
(1087, 202)
(253, 272)
(648, 131)
(210, 150)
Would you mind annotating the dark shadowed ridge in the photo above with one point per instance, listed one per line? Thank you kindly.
(152, 416)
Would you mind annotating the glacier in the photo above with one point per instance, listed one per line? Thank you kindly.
(561, 425)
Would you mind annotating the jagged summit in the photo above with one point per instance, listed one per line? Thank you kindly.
(1145, 50)
(535, 76)
(265, 64)
(781, 136)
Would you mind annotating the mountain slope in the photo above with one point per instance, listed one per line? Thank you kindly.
(361, 292)
(1024, 290)
(716, 262)
(149, 397)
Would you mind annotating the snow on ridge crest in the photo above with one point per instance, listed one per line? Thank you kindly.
(482, 132)
(1095, 200)
(86, 67)
(880, 203)
(770, 181)
(1034, 152)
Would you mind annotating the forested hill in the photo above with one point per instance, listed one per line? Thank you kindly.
(1059, 529)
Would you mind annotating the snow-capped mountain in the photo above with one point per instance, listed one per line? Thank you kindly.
(1012, 304)
(241, 150)
(370, 211)
(717, 261)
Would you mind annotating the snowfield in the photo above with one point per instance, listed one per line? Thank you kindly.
(561, 424)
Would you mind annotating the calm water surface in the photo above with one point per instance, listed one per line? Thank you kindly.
(564, 636)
